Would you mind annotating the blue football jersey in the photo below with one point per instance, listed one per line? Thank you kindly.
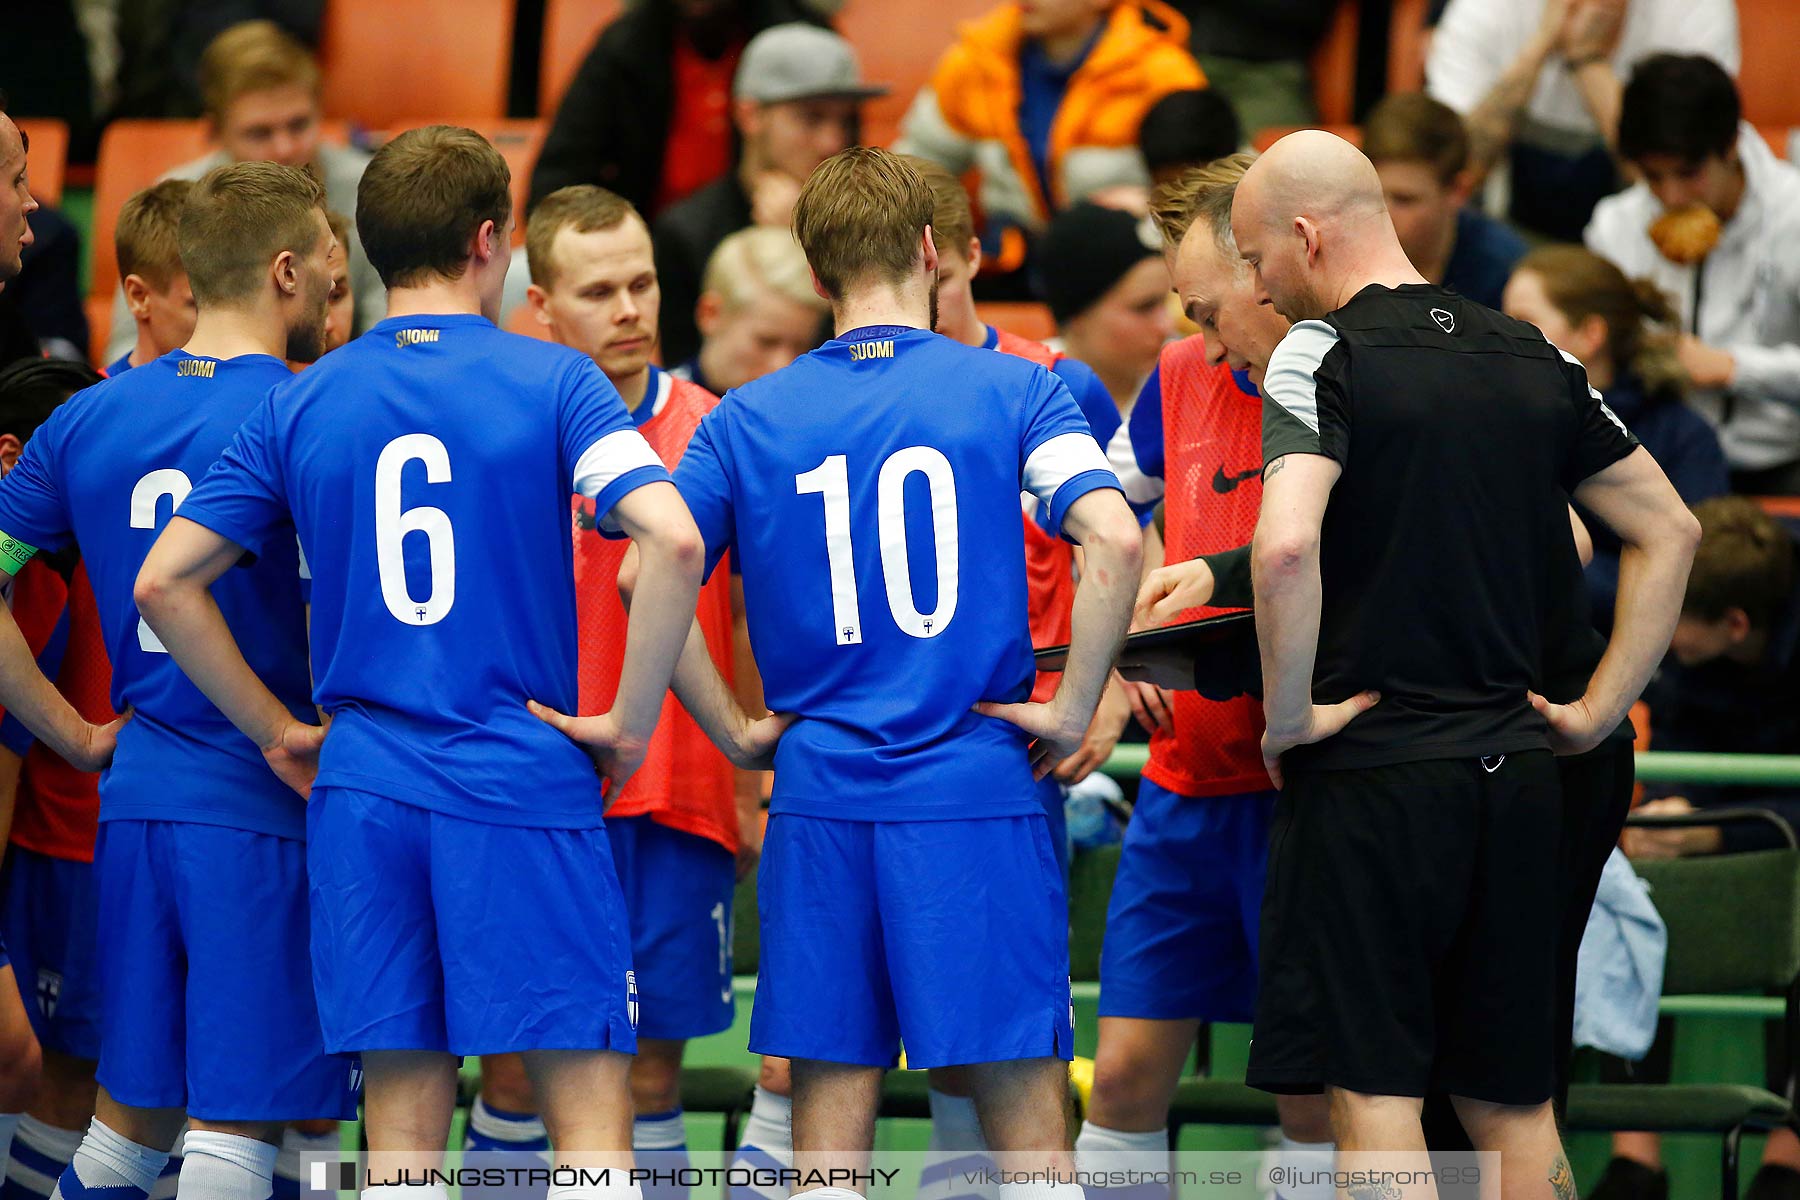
(106, 471)
(869, 494)
(428, 466)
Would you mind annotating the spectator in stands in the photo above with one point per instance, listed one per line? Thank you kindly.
(156, 49)
(1087, 69)
(1538, 82)
(1715, 223)
(1624, 332)
(1256, 53)
(1187, 129)
(1421, 151)
(1108, 289)
(648, 114)
(262, 100)
(757, 313)
(1734, 685)
(796, 102)
(155, 284)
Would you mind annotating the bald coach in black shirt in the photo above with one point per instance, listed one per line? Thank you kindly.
(1419, 448)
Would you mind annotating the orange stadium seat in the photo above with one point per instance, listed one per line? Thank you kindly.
(1769, 30)
(1334, 65)
(133, 155)
(1026, 319)
(1268, 137)
(570, 29)
(899, 45)
(48, 158)
(1408, 42)
(1780, 506)
(385, 63)
(517, 139)
(1777, 136)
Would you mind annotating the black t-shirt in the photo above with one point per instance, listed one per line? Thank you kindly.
(1460, 432)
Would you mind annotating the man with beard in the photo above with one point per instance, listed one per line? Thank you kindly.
(206, 1013)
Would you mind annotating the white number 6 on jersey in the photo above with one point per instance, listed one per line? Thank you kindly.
(393, 523)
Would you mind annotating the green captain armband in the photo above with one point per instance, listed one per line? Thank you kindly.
(14, 554)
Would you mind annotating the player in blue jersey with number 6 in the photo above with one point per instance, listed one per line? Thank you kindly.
(870, 495)
(427, 467)
(206, 1007)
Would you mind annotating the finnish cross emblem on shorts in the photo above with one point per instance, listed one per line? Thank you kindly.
(1446, 321)
(49, 991)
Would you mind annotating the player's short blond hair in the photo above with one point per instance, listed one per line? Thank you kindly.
(1200, 195)
(238, 218)
(952, 216)
(757, 261)
(147, 237)
(581, 207)
(253, 56)
(860, 217)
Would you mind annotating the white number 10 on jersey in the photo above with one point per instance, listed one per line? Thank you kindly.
(831, 480)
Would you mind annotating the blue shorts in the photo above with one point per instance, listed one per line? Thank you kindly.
(1055, 797)
(435, 932)
(951, 936)
(1182, 923)
(51, 922)
(205, 999)
(678, 890)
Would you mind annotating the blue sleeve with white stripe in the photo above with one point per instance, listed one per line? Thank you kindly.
(603, 453)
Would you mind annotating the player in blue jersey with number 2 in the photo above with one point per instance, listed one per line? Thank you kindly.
(427, 467)
(206, 1003)
(870, 495)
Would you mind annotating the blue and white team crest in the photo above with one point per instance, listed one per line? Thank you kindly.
(49, 991)
(631, 998)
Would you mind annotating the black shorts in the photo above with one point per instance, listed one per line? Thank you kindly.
(1409, 931)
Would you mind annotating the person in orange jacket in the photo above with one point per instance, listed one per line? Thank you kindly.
(1043, 98)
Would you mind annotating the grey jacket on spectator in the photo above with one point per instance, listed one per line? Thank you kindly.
(342, 168)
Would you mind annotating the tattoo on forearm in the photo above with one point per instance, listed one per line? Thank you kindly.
(1562, 1180)
(1270, 471)
(1379, 1189)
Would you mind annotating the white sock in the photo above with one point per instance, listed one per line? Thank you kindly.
(770, 1126)
(1119, 1149)
(494, 1130)
(1314, 1160)
(828, 1193)
(617, 1191)
(170, 1179)
(226, 1166)
(1040, 1190)
(40, 1153)
(954, 1125)
(106, 1159)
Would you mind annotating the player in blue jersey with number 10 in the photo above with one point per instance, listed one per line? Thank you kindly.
(427, 467)
(870, 494)
(206, 1007)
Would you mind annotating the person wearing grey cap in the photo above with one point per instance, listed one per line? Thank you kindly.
(647, 114)
(795, 101)
(1101, 271)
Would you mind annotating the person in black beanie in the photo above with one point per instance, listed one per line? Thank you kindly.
(1101, 271)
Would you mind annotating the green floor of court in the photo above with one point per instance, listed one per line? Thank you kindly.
(1706, 1048)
